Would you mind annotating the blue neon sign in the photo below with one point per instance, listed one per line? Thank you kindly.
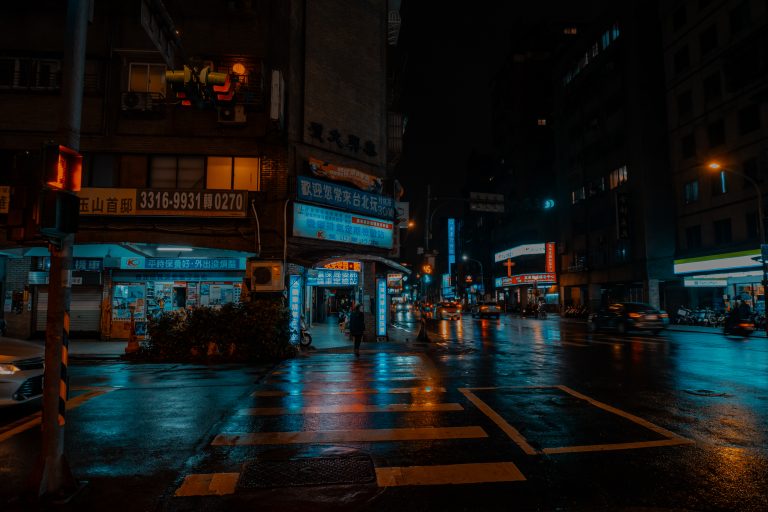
(325, 224)
(294, 302)
(381, 306)
(451, 243)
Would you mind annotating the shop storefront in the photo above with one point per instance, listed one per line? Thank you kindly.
(716, 280)
(151, 286)
(528, 275)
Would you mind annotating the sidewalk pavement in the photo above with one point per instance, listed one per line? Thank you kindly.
(325, 336)
(678, 328)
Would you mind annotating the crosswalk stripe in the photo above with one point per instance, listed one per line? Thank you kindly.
(208, 484)
(352, 435)
(363, 391)
(449, 474)
(351, 408)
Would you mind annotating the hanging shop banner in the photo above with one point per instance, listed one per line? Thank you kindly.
(402, 214)
(549, 258)
(542, 278)
(337, 226)
(358, 178)
(395, 283)
(451, 243)
(346, 198)
(5, 198)
(165, 202)
(381, 306)
(345, 265)
(140, 263)
(520, 250)
(323, 277)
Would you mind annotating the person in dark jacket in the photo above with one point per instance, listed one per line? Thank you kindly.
(357, 327)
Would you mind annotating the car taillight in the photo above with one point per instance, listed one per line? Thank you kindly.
(746, 326)
(635, 315)
(664, 315)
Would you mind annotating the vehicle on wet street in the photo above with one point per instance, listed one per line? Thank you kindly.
(448, 311)
(21, 372)
(486, 310)
(629, 316)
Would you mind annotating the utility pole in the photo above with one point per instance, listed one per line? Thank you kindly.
(52, 481)
(426, 222)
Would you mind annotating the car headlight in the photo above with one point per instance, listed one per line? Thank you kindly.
(8, 369)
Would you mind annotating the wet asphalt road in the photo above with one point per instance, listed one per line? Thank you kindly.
(515, 414)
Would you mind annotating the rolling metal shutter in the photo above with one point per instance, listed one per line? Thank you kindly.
(84, 309)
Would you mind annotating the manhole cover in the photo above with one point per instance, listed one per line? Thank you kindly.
(259, 474)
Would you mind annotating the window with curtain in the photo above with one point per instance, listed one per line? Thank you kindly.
(177, 172)
(233, 173)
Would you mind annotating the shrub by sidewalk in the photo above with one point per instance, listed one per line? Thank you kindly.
(248, 332)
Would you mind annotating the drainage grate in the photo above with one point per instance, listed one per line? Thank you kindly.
(356, 469)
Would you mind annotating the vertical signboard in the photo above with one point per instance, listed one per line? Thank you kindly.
(549, 258)
(294, 299)
(381, 307)
(451, 244)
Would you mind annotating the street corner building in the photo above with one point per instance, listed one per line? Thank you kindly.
(217, 139)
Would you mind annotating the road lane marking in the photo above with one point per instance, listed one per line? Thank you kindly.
(449, 474)
(616, 446)
(208, 484)
(33, 420)
(672, 439)
(363, 391)
(340, 380)
(351, 408)
(631, 417)
(511, 431)
(349, 436)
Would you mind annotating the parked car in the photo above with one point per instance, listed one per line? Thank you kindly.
(486, 309)
(448, 311)
(629, 316)
(21, 371)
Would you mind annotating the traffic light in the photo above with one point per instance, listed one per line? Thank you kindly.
(426, 268)
(198, 85)
(58, 207)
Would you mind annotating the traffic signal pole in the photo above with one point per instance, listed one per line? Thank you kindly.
(52, 481)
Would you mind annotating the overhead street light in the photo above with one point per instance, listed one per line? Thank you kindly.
(716, 166)
(482, 274)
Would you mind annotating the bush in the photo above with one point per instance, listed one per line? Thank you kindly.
(246, 332)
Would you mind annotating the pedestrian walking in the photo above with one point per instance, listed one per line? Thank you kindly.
(357, 327)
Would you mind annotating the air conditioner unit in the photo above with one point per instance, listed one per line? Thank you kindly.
(136, 101)
(232, 114)
(266, 276)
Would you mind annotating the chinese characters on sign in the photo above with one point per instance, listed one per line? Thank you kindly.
(321, 277)
(337, 226)
(5, 198)
(542, 278)
(520, 250)
(549, 258)
(139, 263)
(381, 306)
(345, 265)
(294, 304)
(346, 198)
(180, 203)
(337, 140)
(358, 178)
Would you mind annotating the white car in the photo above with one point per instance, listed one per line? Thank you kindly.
(21, 371)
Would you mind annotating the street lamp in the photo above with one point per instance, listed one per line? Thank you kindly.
(716, 166)
(482, 274)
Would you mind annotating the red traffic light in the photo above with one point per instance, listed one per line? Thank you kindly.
(63, 168)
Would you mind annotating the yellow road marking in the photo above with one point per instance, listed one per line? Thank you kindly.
(672, 439)
(616, 446)
(349, 436)
(351, 408)
(208, 484)
(631, 417)
(363, 391)
(511, 431)
(449, 474)
(33, 420)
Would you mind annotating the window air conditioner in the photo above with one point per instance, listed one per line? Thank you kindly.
(266, 276)
(232, 114)
(136, 101)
